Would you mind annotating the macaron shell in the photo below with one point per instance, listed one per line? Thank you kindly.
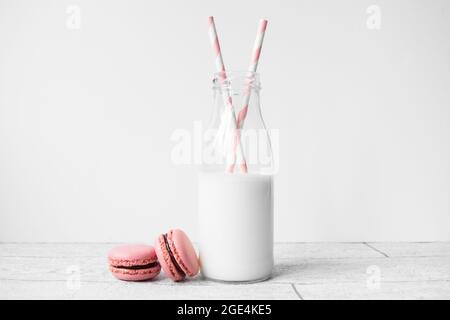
(165, 262)
(183, 251)
(130, 255)
(135, 275)
(122, 258)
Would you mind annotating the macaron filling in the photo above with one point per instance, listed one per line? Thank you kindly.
(141, 267)
(172, 258)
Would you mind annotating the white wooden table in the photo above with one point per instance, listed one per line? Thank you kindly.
(303, 271)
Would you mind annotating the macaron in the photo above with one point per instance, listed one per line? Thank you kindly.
(134, 262)
(177, 255)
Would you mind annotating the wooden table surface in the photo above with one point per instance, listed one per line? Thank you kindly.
(302, 271)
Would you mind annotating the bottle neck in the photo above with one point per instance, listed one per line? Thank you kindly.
(237, 106)
(236, 81)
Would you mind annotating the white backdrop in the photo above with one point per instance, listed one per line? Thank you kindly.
(91, 92)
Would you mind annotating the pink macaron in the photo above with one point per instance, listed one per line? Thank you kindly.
(134, 262)
(176, 255)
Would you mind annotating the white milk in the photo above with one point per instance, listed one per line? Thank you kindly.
(236, 226)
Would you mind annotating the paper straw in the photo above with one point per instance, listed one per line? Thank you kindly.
(237, 150)
(252, 68)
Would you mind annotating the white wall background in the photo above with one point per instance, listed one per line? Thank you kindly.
(86, 116)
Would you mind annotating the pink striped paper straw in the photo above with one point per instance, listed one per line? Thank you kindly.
(252, 68)
(220, 67)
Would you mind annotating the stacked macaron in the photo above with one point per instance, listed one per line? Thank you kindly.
(137, 262)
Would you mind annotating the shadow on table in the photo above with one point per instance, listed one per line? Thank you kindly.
(296, 271)
(289, 270)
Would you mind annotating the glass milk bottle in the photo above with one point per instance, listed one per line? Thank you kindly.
(236, 184)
